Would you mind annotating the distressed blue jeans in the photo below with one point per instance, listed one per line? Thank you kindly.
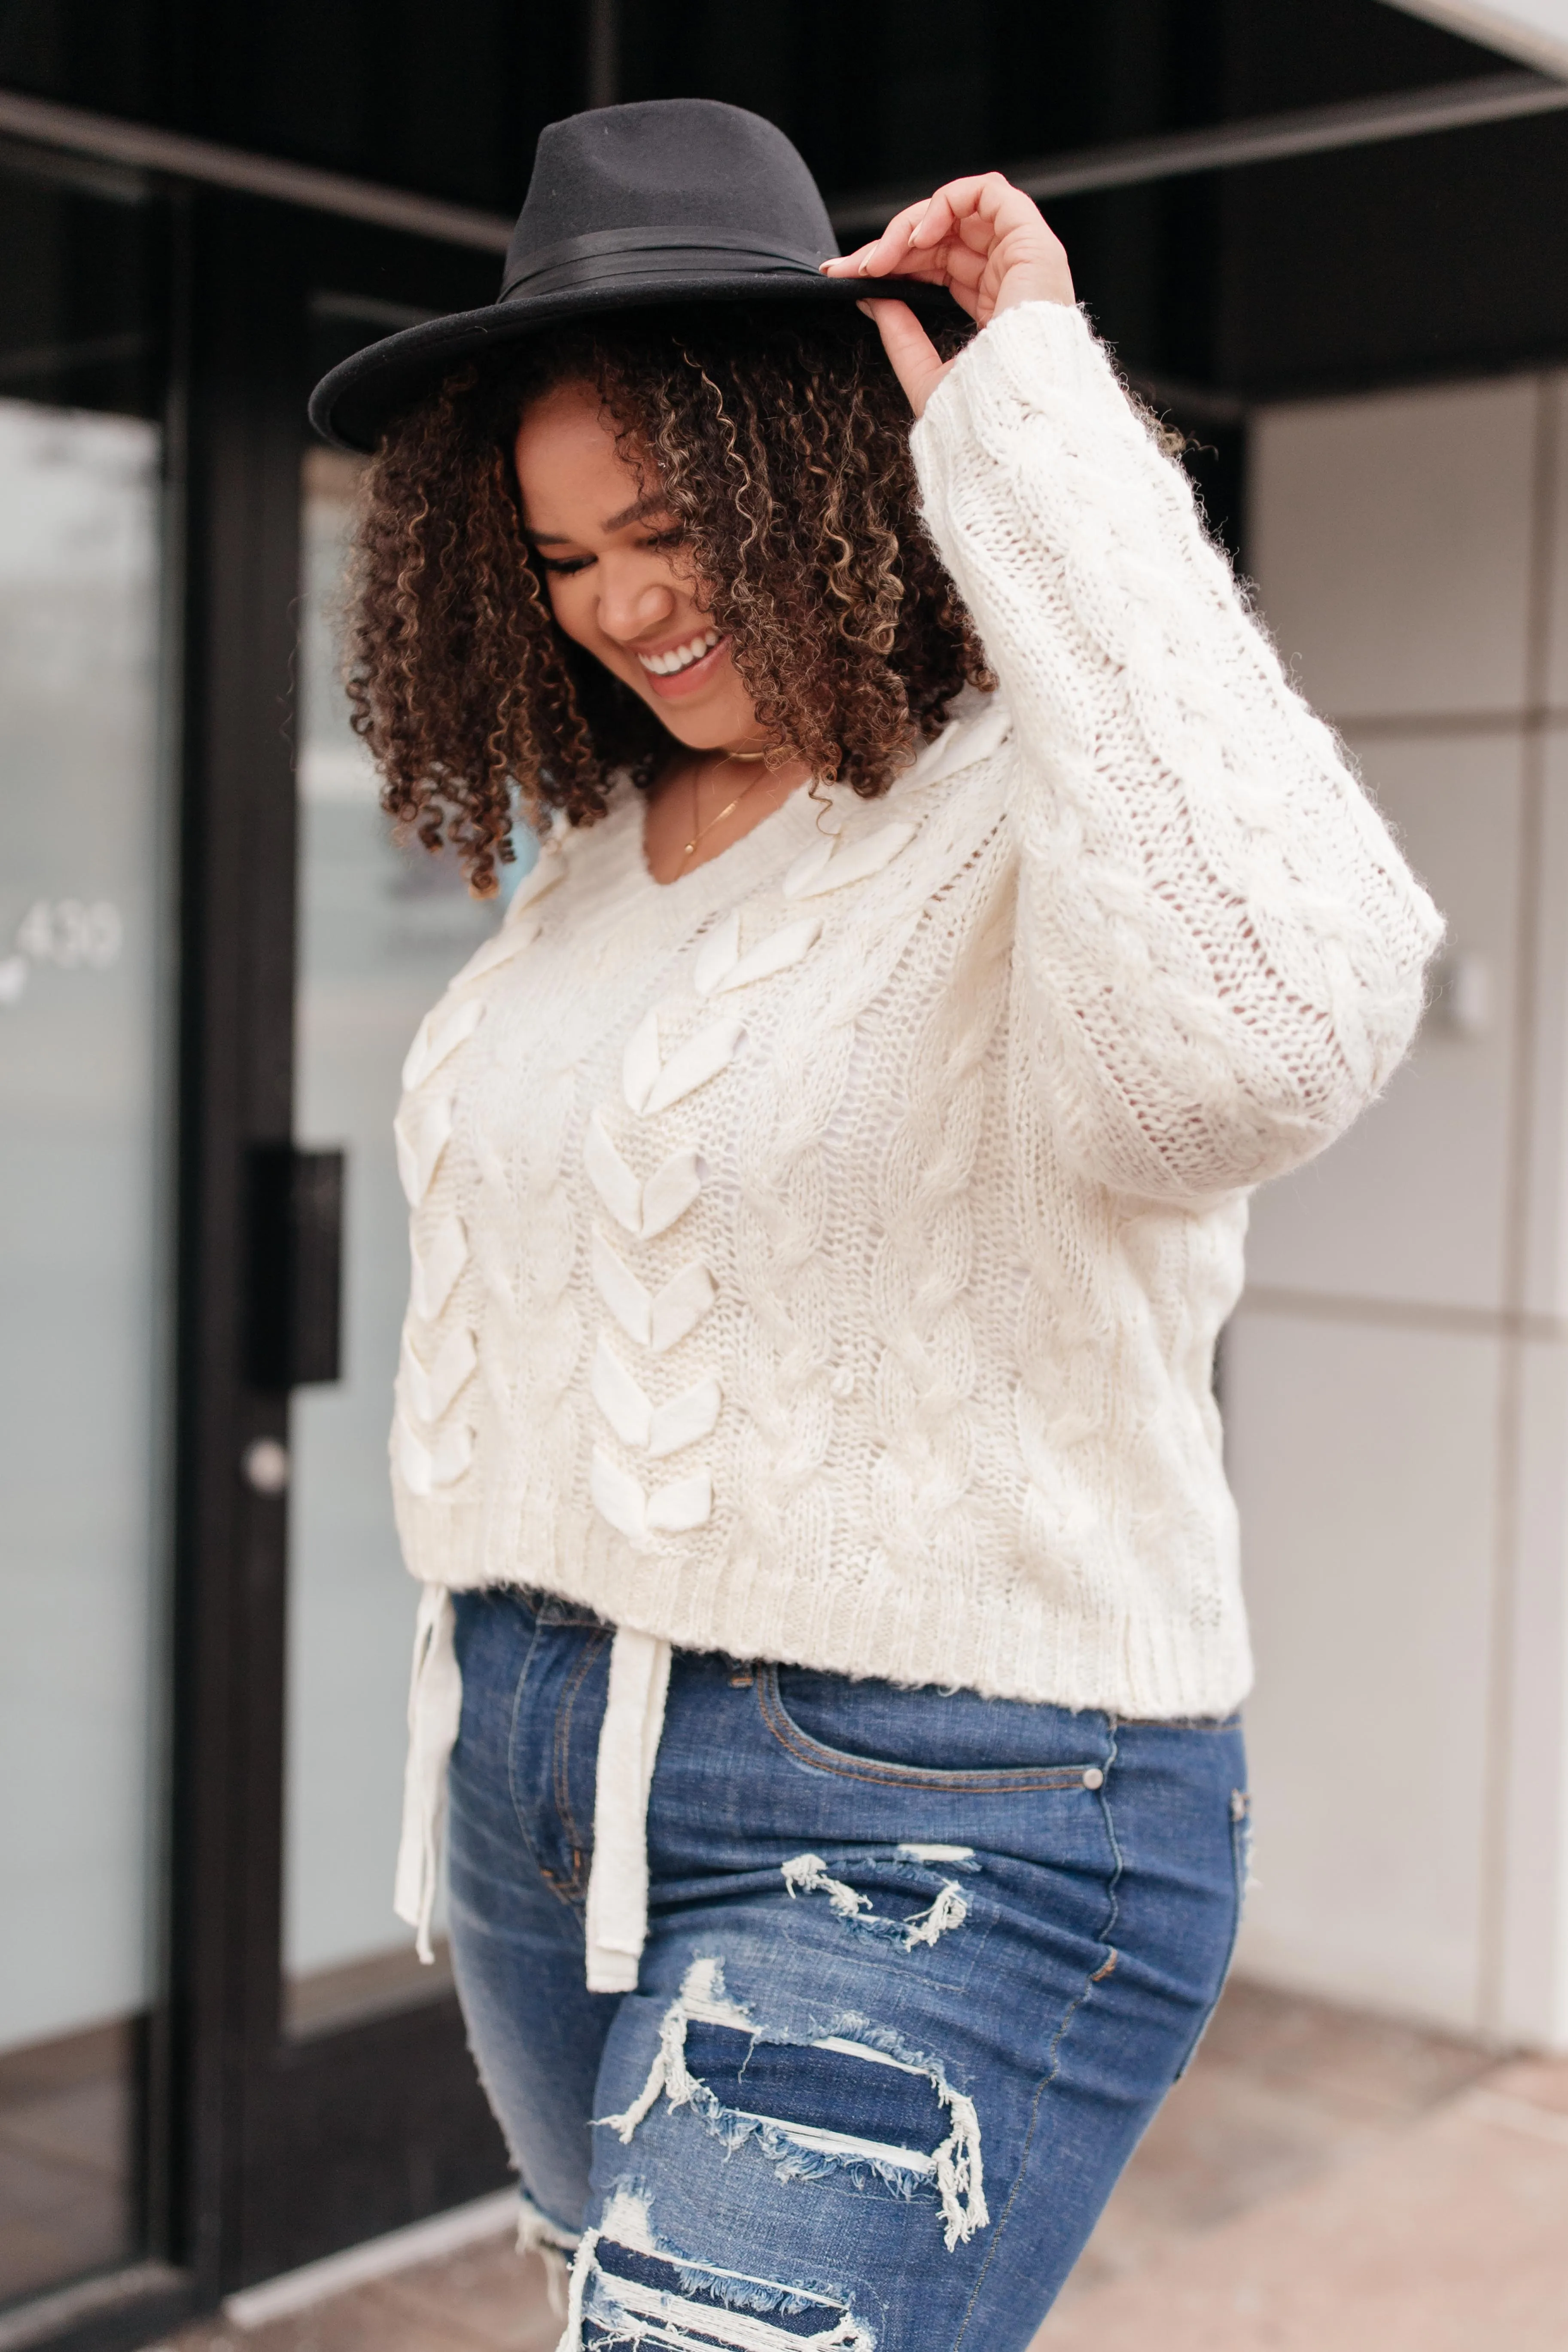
(920, 1966)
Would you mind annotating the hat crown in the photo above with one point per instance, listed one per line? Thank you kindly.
(673, 201)
(690, 163)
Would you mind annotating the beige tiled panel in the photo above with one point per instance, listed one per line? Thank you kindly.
(1532, 1989)
(1410, 1204)
(1363, 1464)
(1557, 661)
(1546, 1269)
(1390, 538)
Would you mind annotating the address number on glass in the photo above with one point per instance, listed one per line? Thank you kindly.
(70, 932)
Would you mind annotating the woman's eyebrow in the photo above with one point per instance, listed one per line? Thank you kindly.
(651, 503)
(655, 502)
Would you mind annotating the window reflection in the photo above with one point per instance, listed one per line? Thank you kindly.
(81, 916)
(381, 931)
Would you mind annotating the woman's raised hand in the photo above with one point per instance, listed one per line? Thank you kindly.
(981, 238)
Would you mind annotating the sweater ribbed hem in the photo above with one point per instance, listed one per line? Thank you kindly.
(1134, 1660)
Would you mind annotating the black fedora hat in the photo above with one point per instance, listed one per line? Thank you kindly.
(672, 200)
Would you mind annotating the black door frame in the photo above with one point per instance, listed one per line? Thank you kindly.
(280, 2150)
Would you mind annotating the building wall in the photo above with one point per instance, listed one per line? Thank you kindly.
(1396, 1378)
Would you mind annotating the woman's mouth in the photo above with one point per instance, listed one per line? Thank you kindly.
(684, 669)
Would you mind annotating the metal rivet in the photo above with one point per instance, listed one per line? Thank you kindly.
(1094, 1778)
(264, 1465)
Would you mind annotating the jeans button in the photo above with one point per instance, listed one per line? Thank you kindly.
(1094, 1778)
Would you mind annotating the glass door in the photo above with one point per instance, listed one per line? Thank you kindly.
(86, 925)
(216, 2059)
(382, 928)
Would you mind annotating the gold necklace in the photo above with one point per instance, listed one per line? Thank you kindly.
(700, 831)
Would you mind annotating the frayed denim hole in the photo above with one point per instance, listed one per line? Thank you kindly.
(942, 1904)
(800, 2314)
(628, 2286)
(791, 2083)
(798, 2150)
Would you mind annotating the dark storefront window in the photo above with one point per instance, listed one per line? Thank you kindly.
(85, 952)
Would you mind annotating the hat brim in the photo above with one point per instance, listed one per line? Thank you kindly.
(353, 406)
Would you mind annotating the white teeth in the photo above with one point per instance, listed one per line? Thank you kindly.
(680, 657)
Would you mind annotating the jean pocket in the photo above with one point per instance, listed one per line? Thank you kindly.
(893, 1737)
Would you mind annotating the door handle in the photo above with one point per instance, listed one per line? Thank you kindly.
(294, 1307)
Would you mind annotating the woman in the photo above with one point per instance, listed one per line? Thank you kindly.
(828, 1189)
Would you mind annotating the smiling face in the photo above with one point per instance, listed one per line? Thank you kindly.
(469, 668)
(616, 569)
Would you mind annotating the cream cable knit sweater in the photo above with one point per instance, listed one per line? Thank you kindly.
(820, 1259)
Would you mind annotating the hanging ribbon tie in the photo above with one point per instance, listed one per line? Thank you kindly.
(435, 1705)
(628, 1748)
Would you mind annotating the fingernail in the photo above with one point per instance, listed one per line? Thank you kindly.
(864, 309)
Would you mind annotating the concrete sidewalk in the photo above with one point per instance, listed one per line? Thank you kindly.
(1387, 2191)
(1452, 2238)
(1320, 2179)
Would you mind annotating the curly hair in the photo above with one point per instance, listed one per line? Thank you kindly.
(783, 449)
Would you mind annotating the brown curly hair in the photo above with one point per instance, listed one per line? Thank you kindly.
(782, 446)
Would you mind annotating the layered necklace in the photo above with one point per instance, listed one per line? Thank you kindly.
(699, 832)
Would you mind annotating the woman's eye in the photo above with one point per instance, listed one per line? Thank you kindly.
(676, 537)
(564, 566)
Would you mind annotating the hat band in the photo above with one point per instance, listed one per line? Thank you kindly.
(614, 255)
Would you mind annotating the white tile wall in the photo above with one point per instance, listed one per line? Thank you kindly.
(1546, 1272)
(1390, 538)
(1411, 1205)
(1557, 663)
(1364, 1465)
(1532, 1991)
(1400, 1450)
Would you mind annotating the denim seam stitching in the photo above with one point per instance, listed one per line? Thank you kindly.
(569, 1888)
(1054, 2063)
(1005, 1783)
(1240, 1831)
(517, 1810)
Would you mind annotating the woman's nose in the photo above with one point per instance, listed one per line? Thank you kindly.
(632, 600)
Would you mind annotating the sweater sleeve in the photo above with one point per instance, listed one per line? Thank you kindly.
(1219, 943)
